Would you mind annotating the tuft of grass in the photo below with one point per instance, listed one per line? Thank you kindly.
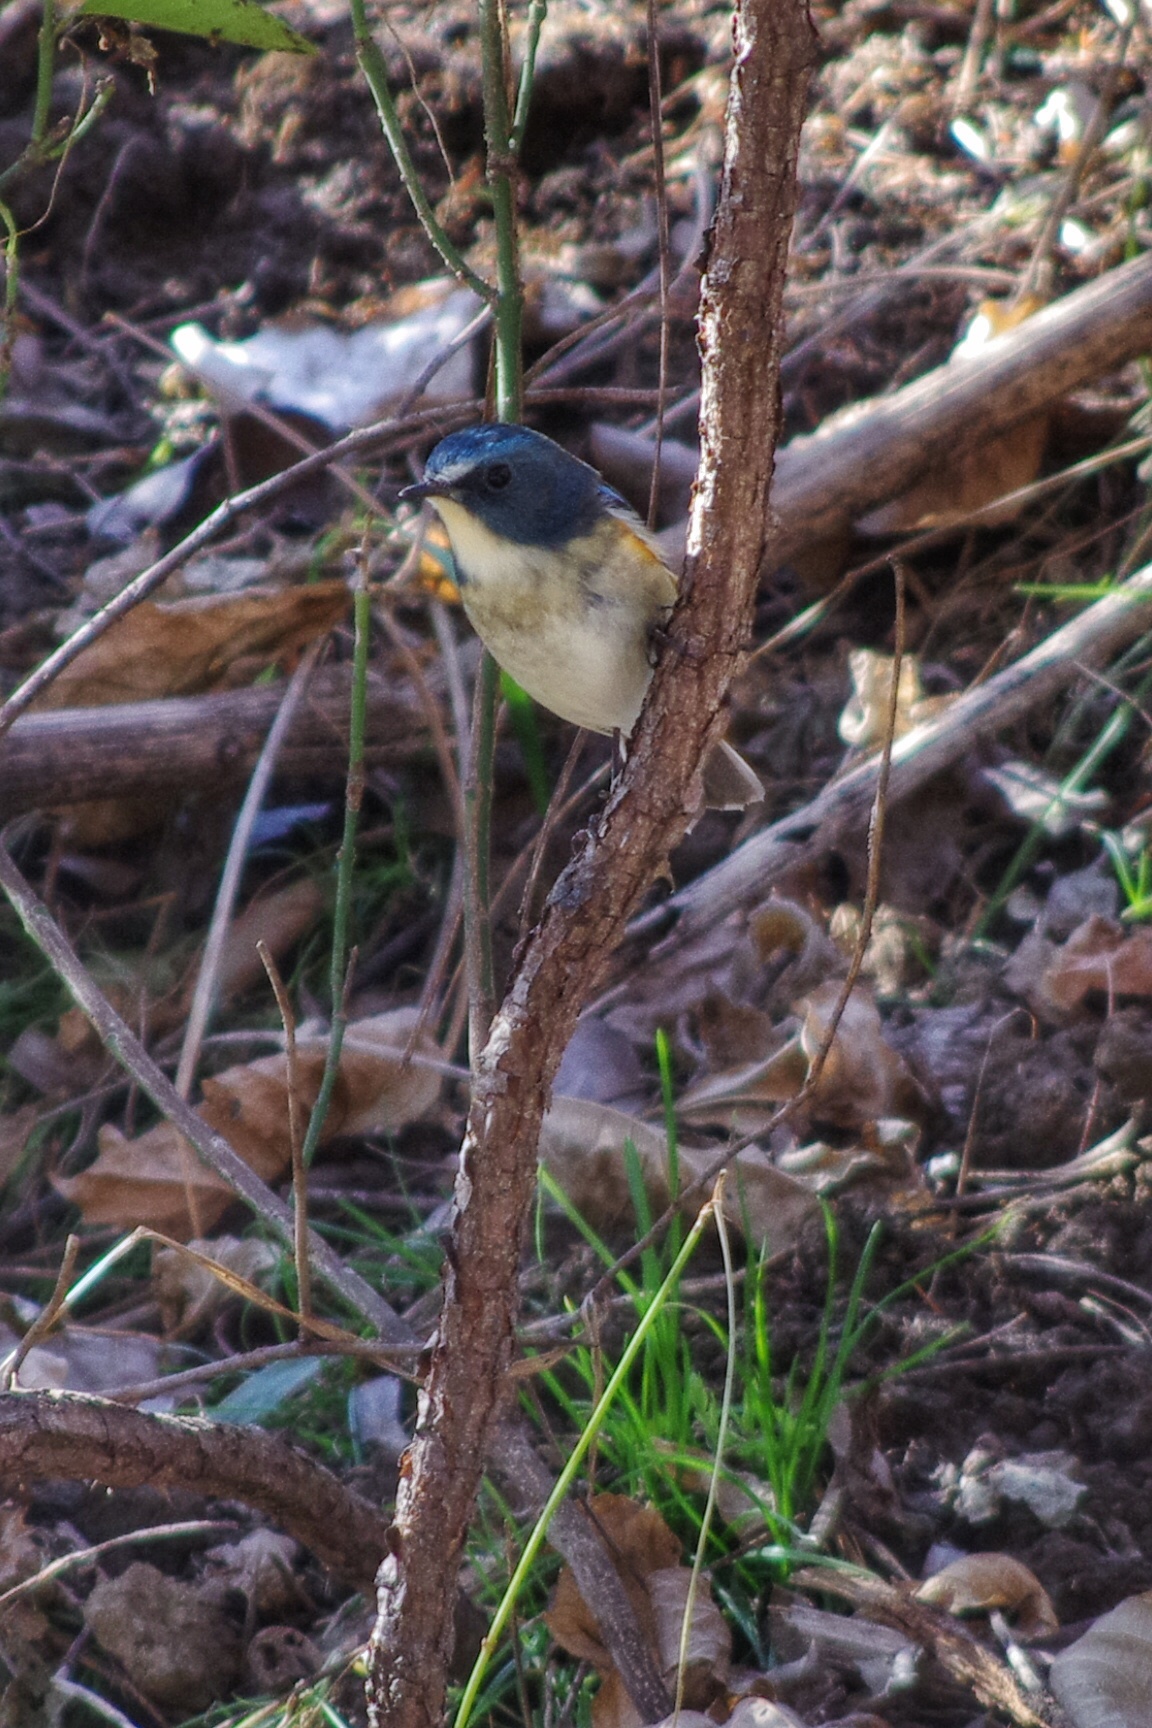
(1134, 875)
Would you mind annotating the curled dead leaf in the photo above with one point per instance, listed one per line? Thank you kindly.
(863, 1078)
(863, 724)
(279, 920)
(155, 1179)
(189, 1293)
(708, 1648)
(376, 1091)
(963, 484)
(642, 1544)
(977, 1583)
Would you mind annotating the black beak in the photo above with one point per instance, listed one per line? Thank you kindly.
(422, 489)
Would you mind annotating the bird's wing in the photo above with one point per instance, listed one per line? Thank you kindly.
(623, 512)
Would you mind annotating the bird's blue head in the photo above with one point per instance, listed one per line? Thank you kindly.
(521, 485)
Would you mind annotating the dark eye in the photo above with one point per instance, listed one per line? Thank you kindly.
(497, 476)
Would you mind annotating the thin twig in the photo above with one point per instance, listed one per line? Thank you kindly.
(969, 73)
(46, 1320)
(275, 422)
(552, 817)
(726, 1401)
(655, 105)
(203, 997)
(295, 1133)
(875, 844)
(372, 64)
(248, 1361)
(340, 972)
(742, 878)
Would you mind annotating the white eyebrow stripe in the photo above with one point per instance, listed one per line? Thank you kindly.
(450, 472)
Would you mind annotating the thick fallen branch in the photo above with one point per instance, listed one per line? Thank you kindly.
(53, 1436)
(825, 481)
(587, 911)
(876, 450)
(941, 1634)
(742, 880)
(182, 743)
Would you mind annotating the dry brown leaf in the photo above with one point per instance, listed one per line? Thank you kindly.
(884, 1156)
(189, 1293)
(863, 1078)
(375, 1091)
(647, 1555)
(733, 1034)
(966, 1660)
(186, 646)
(766, 1204)
(1104, 1680)
(641, 1543)
(708, 1655)
(967, 481)
(742, 1098)
(977, 1583)
(1100, 956)
(784, 924)
(279, 919)
(582, 1148)
(148, 1180)
(612, 1707)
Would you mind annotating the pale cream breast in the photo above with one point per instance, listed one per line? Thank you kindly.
(573, 626)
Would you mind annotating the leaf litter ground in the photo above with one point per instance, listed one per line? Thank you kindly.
(994, 1063)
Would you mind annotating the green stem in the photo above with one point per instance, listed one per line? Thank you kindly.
(11, 278)
(537, 12)
(508, 316)
(502, 178)
(45, 67)
(372, 64)
(104, 94)
(345, 863)
(477, 847)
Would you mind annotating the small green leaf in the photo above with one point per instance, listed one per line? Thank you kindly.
(262, 1393)
(242, 21)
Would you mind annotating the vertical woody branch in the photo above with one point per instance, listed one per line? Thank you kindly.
(603, 886)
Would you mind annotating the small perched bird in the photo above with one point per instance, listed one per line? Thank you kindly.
(561, 580)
